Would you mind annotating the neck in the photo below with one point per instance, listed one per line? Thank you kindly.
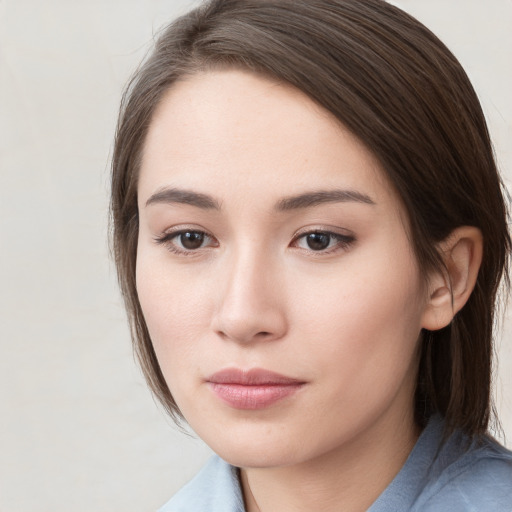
(349, 478)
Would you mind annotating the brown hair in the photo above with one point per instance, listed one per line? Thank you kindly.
(400, 91)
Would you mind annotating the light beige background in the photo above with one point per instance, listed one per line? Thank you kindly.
(78, 429)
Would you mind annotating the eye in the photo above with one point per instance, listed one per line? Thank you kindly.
(323, 241)
(190, 240)
(186, 241)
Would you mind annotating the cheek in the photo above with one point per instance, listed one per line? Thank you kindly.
(175, 313)
(364, 322)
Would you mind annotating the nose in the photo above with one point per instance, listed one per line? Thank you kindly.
(251, 306)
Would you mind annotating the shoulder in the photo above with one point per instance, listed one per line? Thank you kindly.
(215, 488)
(478, 479)
(455, 475)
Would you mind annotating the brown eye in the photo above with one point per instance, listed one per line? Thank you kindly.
(324, 242)
(191, 240)
(186, 242)
(318, 241)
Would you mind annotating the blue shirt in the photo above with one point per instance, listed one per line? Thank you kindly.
(456, 478)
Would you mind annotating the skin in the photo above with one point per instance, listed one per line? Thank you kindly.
(345, 321)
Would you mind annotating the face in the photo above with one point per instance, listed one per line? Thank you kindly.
(275, 272)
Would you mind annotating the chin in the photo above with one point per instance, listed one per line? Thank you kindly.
(255, 457)
(263, 446)
(249, 449)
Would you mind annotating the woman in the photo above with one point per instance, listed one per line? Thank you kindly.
(310, 234)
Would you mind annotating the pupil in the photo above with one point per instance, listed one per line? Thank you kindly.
(318, 241)
(192, 240)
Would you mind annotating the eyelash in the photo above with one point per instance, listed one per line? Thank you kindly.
(167, 240)
(344, 242)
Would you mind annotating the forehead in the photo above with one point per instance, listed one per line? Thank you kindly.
(235, 133)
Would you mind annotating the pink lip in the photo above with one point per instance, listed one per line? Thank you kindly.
(253, 389)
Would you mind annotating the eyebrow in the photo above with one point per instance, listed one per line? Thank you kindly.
(315, 198)
(180, 196)
(305, 200)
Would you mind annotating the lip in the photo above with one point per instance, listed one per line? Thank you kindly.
(252, 389)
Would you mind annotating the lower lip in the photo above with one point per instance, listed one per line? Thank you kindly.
(253, 397)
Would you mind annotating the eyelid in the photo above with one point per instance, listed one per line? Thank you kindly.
(329, 230)
(345, 239)
(167, 237)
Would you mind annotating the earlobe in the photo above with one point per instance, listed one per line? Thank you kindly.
(450, 288)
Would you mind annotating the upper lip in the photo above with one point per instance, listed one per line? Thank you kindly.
(252, 377)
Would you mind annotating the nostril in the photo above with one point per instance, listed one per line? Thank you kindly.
(263, 334)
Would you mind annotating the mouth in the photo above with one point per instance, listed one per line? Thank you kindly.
(253, 389)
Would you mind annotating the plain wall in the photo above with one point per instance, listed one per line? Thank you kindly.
(79, 430)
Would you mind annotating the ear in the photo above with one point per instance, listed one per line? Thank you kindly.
(450, 288)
